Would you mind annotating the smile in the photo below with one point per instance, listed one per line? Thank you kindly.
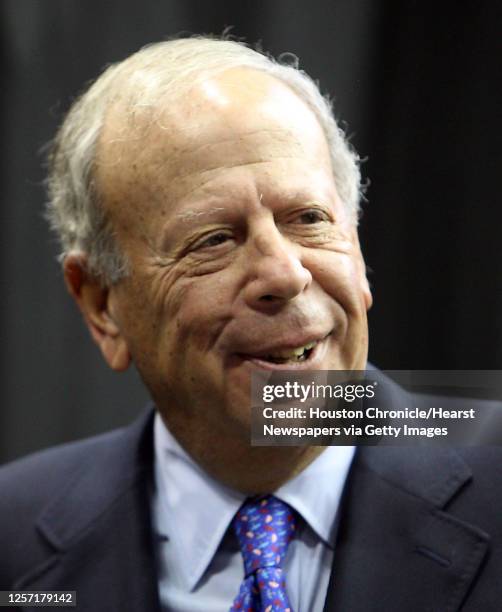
(300, 353)
(300, 356)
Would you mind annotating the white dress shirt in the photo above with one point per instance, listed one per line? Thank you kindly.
(198, 558)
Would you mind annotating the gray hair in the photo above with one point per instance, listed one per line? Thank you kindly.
(169, 68)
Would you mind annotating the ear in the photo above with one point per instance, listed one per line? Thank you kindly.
(362, 269)
(365, 288)
(95, 303)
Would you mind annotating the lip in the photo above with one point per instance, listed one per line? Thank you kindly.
(311, 363)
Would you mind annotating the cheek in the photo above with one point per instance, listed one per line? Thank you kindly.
(199, 311)
(147, 313)
(339, 276)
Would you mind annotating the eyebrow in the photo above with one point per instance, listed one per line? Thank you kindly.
(191, 214)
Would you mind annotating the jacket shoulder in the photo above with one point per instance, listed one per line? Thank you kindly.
(27, 482)
(77, 478)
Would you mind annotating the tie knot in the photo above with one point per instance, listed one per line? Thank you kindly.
(264, 527)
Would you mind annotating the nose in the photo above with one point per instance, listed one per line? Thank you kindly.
(277, 273)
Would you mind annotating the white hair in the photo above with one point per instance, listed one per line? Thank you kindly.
(159, 72)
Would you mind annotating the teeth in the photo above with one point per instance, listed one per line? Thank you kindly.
(294, 353)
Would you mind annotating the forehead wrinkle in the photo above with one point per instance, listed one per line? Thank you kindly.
(194, 147)
(191, 133)
(181, 151)
(216, 168)
(191, 214)
(229, 190)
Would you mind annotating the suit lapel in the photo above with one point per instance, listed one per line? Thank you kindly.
(397, 548)
(100, 530)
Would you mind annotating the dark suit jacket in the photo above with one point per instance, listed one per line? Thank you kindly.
(420, 529)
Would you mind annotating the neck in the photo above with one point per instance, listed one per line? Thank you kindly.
(235, 463)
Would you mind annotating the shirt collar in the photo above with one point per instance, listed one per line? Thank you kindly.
(194, 509)
(188, 498)
(315, 493)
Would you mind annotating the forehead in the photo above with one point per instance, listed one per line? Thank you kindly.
(239, 121)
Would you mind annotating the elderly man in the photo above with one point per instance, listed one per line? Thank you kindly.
(207, 206)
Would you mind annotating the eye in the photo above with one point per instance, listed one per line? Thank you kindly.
(213, 240)
(309, 217)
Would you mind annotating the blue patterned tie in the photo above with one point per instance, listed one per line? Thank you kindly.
(264, 528)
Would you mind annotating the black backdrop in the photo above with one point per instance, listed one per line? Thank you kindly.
(418, 84)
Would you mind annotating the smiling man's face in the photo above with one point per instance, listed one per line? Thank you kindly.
(242, 254)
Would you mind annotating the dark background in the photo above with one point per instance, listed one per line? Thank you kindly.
(418, 84)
